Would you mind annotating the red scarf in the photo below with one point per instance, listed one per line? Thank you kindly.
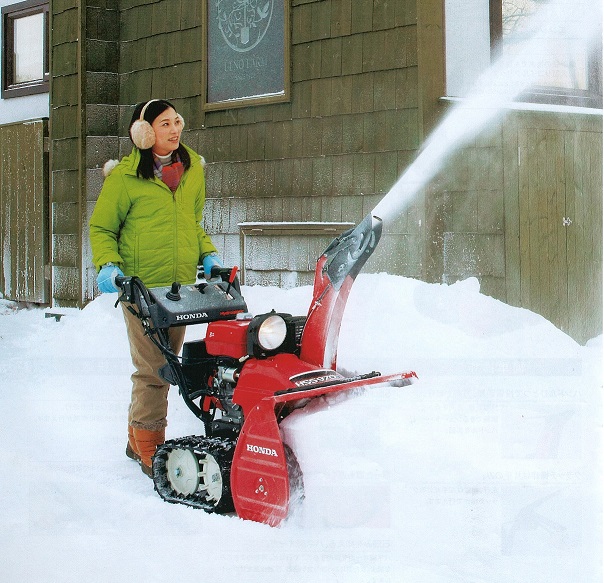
(172, 174)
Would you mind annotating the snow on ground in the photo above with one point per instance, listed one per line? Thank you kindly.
(488, 469)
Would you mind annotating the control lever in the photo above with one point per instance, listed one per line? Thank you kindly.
(174, 293)
(226, 274)
(125, 284)
(232, 277)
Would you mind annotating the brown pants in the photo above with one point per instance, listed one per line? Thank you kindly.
(149, 402)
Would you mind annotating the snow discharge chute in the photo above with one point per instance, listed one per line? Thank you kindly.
(335, 273)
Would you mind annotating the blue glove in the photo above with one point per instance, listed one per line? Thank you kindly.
(105, 280)
(208, 262)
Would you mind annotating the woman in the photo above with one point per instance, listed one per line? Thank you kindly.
(147, 222)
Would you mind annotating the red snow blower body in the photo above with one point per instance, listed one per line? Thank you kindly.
(246, 376)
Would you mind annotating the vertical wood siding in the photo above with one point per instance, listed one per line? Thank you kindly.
(24, 212)
(583, 163)
(520, 208)
(554, 220)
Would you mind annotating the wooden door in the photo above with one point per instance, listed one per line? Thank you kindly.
(560, 227)
(24, 224)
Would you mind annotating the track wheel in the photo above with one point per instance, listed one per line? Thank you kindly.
(296, 480)
(195, 471)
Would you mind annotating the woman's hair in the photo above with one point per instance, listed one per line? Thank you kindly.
(145, 167)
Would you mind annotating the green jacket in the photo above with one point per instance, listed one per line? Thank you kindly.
(149, 232)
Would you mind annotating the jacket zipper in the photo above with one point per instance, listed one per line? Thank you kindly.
(162, 184)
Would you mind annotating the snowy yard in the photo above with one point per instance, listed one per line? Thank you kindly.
(488, 469)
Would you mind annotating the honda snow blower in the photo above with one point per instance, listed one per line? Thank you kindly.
(246, 376)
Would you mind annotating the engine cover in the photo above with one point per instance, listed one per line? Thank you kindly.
(227, 338)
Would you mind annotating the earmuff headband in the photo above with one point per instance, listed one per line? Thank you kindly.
(141, 117)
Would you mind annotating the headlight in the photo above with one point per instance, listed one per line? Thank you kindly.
(272, 332)
(268, 334)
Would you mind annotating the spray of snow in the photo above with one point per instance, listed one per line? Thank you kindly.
(493, 93)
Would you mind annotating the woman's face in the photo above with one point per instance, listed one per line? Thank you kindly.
(167, 127)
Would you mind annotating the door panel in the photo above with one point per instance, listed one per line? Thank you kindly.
(24, 219)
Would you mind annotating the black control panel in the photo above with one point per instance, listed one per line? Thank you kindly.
(178, 305)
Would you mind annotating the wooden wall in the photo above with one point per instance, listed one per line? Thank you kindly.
(24, 225)
(465, 219)
(84, 93)
(352, 125)
(366, 82)
(553, 198)
(520, 208)
(330, 154)
(101, 108)
(66, 151)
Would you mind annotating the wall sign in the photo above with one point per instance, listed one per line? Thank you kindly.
(247, 52)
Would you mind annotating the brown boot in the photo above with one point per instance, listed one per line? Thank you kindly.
(146, 444)
(131, 450)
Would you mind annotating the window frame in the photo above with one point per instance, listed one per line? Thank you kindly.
(281, 96)
(551, 95)
(9, 15)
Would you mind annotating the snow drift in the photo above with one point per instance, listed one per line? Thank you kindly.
(486, 469)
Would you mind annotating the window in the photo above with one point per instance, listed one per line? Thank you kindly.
(576, 77)
(478, 32)
(25, 68)
(247, 44)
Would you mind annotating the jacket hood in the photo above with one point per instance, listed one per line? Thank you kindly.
(109, 166)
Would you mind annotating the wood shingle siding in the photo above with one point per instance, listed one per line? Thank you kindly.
(367, 79)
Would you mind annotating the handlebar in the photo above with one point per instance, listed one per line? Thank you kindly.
(128, 283)
(131, 289)
(225, 273)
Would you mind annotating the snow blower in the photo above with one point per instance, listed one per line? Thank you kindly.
(246, 376)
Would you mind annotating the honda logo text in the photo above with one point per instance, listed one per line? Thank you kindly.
(262, 450)
(196, 316)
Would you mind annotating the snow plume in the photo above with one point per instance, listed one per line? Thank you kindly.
(496, 88)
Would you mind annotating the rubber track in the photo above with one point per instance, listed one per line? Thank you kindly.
(221, 448)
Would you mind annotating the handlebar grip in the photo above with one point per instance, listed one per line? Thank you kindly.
(121, 280)
(218, 271)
